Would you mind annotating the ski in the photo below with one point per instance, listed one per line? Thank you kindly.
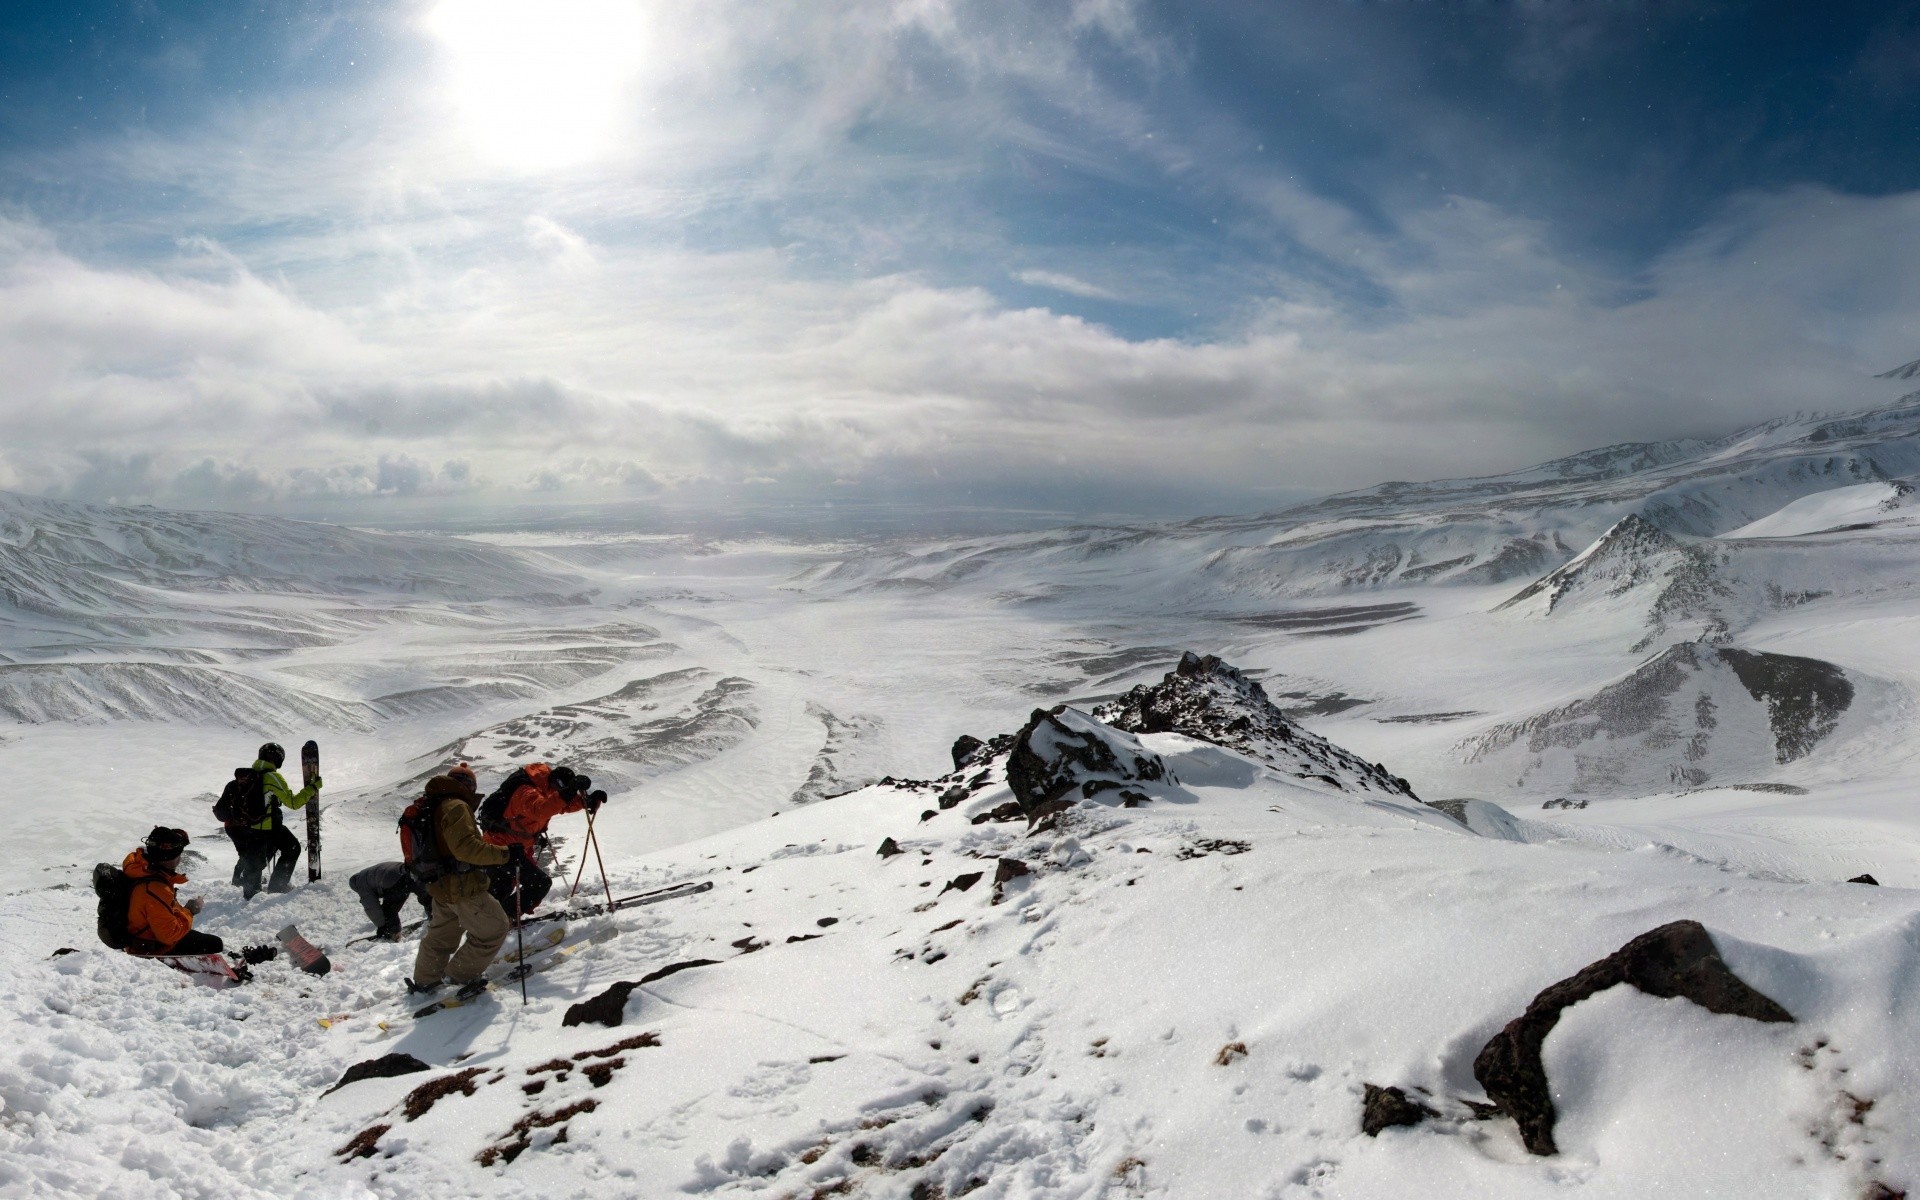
(675, 892)
(480, 988)
(410, 927)
(207, 970)
(546, 941)
(309, 771)
(307, 956)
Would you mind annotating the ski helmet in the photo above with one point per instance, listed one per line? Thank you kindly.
(272, 753)
(164, 844)
(562, 778)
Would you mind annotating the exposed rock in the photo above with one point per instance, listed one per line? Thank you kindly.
(385, 1067)
(1210, 700)
(1866, 879)
(1062, 751)
(1386, 1107)
(1677, 959)
(889, 848)
(1009, 869)
(964, 747)
(608, 1008)
(960, 883)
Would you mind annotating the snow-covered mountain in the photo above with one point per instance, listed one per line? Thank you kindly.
(1166, 926)
(1694, 713)
(1461, 532)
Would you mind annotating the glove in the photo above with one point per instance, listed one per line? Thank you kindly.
(516, 854)
(315, 785)
(256, 955)
(595, 800)
(194, 905)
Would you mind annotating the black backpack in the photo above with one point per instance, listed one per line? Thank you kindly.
(419, 848)
(493, 810)
(243, 801)
(115, 889)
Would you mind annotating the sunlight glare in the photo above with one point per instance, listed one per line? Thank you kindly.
(540, 84)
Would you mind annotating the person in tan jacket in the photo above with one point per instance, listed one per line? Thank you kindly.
(461, 903)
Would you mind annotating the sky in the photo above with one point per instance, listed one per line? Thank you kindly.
(1086, 256)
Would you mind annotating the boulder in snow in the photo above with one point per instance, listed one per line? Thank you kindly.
(1677, 959)
(1063, 754)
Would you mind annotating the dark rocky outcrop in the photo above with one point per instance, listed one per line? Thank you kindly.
(1866, 879)
(1062, 754)
(608, 1008)
(1210, 700)
(1386, 1107)
(889, 848)
(1677, 959)
(386, 1066)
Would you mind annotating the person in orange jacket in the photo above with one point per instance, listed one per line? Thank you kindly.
(157, 923)
(547, 793)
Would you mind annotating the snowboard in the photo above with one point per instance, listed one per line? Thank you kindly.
(309, 771)
(305, 955)
(207, 970)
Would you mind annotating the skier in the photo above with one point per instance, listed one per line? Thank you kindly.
(157, 923)
(521, 821)
(383, 889)
(259, 841)
(461, 902)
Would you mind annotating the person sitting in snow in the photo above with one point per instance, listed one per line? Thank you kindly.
(157, 923)
(259, 842)
(383, 889)
(545, 793)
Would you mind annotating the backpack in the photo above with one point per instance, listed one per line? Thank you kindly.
(115, 889)
(493, 810)
(243, 801)
(419, 848)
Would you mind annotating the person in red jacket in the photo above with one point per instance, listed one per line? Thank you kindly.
(157, 923)
(547, 793)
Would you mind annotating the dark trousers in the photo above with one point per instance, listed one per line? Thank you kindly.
(534, 885)
(197, 943)
(257, 849)
(383, 890)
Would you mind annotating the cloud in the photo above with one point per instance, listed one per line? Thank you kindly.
(726, 369)
(1058, 282)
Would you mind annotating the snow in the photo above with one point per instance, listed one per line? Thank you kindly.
(1862, 503)
(1182, 998)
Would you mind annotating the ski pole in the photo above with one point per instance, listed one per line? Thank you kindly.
(595, 843)
(519, 937)
(577, 875)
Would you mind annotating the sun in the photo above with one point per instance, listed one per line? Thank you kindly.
(540, 84)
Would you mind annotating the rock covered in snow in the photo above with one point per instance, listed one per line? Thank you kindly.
(1062, 754)
(1690, 714)
(1677, 959)
(1208, 699)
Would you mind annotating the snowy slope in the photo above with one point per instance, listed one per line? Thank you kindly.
(1179, 999)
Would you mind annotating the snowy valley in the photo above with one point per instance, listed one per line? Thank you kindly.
(1096, 861)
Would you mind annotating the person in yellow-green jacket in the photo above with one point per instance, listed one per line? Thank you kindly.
(260, 834)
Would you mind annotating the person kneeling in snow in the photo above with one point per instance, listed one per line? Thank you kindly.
(461, 903)
(383, 889)
(157, 923)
